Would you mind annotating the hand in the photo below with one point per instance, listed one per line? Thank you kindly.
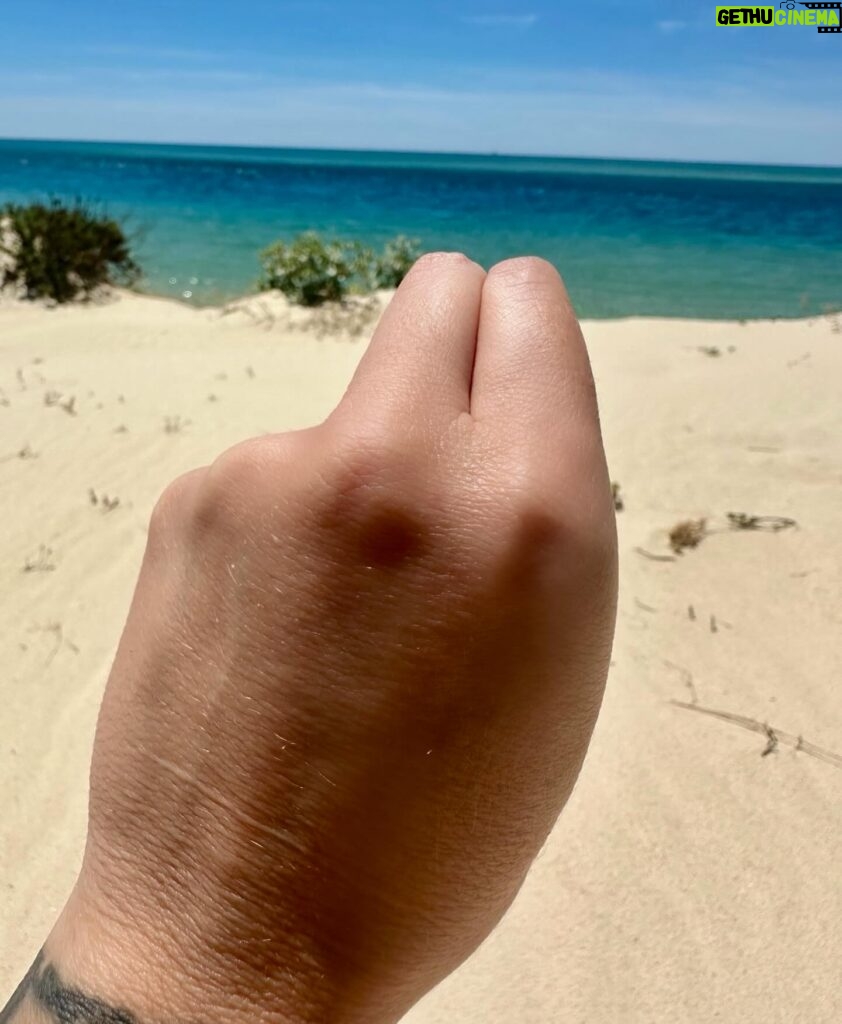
(358, 677)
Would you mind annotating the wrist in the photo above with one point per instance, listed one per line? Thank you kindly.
(129, 965)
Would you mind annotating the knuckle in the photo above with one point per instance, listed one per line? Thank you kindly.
(380, 495)
(172, 507)
(239, 467)
(546, 529)
(531, 520)
(238, 480)
(537, 518)
(235, 496)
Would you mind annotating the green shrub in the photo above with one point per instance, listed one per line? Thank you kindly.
(311, 271)
(57, 251)
(396, 261)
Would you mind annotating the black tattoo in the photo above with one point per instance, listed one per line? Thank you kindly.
(62, 1003)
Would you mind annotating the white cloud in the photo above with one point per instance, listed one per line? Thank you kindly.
(756, 112)
(501, 20)
(609, 118)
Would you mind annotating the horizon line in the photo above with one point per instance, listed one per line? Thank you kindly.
(422, 152)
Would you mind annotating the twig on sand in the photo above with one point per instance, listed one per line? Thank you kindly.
(774, 737)
(655, 558)
(57, 629)
(687, 677)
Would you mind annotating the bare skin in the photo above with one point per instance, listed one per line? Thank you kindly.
(356, 684)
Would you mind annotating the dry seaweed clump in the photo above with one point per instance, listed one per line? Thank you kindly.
(742, 521)
(687, 534)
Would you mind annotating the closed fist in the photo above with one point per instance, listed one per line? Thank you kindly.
(359, 675)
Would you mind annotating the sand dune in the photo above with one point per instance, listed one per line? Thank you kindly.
(690, 878)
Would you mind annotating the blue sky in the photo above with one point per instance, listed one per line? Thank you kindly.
(655, 78)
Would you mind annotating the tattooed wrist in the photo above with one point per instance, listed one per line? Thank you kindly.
(42, 988)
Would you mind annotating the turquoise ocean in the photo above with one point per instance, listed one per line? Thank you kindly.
(630, 237)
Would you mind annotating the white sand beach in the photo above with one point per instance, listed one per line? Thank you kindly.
(690, 878)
